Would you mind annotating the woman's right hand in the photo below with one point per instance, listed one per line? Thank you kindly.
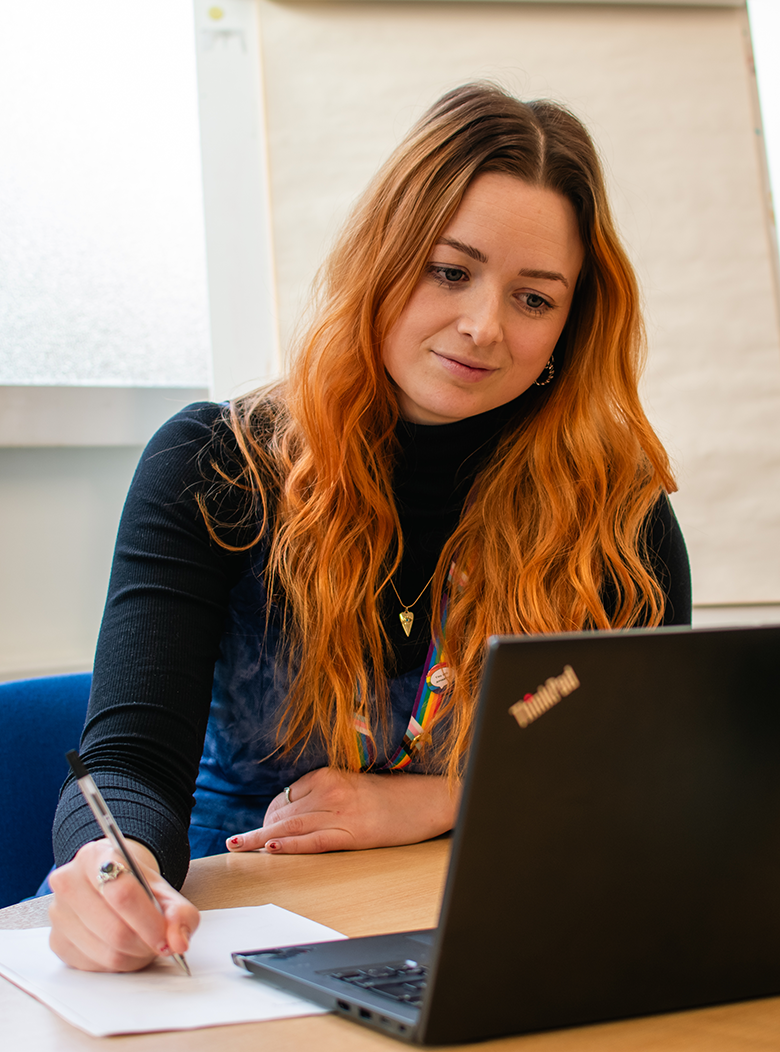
(114, 927)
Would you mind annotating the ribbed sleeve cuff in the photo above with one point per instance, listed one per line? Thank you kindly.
(139, 812)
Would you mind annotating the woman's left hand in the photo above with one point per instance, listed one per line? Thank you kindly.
(332, 810)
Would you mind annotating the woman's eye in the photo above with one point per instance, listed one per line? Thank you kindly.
(536, 303)
(449, 275)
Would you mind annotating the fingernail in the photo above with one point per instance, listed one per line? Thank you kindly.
(164, 950)
(187, 934)
(273, 845)
(236, 841)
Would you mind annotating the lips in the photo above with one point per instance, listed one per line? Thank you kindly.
(463, 369)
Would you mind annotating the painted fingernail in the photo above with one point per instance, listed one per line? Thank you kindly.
(273, 845)
(236, 841)
(164, 950)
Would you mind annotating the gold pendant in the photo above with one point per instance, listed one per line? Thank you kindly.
(407, 620)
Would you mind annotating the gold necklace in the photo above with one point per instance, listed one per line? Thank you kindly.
(406, 616)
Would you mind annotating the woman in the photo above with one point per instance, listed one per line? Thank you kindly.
(458, 450)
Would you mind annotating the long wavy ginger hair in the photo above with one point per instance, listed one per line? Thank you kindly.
(556, 520)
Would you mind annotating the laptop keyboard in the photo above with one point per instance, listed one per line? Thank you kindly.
(402, 981)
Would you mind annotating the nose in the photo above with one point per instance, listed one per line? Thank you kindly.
(480, 318)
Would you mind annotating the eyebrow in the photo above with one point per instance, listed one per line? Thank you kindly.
(550, 275)
(480, 257)
(461, 246)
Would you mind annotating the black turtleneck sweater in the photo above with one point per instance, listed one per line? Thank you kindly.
(433, 475)
(169, 603)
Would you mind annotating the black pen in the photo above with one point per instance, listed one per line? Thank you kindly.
(107, 823)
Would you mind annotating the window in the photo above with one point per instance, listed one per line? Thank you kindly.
(102, 246)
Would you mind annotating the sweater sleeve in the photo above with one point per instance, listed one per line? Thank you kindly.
(159, 640)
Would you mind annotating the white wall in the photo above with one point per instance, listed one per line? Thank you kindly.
(60, 512)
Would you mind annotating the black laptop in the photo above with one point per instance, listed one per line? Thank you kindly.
(617, 851)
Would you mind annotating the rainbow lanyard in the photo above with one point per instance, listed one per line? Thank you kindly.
(434, 681)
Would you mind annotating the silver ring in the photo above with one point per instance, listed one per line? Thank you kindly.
(287, 794)
(110, 871)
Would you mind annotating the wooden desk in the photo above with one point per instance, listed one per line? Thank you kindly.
(362, 893)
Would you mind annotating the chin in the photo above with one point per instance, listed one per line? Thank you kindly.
(442, 415)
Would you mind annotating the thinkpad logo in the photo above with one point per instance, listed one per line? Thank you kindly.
(550, 693)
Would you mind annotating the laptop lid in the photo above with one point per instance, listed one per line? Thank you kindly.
(618, 847)
(617, 851)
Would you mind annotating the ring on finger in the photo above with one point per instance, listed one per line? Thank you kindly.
(287, 794)
(109, 871)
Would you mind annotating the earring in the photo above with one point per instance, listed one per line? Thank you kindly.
(550, 367)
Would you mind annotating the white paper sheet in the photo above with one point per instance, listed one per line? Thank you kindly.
(161, 997)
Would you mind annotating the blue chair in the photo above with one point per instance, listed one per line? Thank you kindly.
(40, 720)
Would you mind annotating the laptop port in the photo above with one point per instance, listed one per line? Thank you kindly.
(364, 1013)
(344, 1006)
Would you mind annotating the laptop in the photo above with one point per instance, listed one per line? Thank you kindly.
(617, 851)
